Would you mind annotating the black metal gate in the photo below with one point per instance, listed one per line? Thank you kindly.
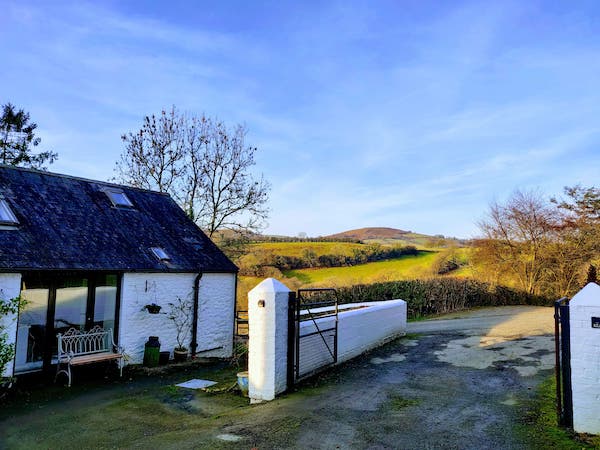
(313, 332)
(562, 342)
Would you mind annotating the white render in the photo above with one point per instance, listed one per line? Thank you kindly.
(361, 326)
(10, 287)
(215, 312)
(585, 359)
(216, 315)
(267, 340)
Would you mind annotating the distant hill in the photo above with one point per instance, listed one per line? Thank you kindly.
(363, 234)
(394, 236)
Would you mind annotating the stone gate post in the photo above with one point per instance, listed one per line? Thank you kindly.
(268, 340)
(584, 312)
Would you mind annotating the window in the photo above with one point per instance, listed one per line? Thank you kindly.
(160, 254)
(118, 198)
(7, 217)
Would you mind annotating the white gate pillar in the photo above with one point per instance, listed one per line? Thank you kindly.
(268, 340)
(584, 314)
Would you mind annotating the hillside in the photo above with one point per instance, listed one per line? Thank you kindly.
(362, 234)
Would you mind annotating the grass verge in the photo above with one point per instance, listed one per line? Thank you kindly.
(540, 428)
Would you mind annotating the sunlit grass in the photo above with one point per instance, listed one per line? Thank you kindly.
(402, 268)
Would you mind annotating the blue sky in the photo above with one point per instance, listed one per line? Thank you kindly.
(408, 114)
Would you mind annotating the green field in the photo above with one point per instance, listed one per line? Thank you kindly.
(406, 267)
(395, 269)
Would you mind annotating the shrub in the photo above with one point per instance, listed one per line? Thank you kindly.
(7, 351)
(440, 295)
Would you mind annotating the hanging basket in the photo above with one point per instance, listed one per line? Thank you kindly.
(153, 308)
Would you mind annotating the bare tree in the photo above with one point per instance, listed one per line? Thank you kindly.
(516, 237)
(154, 155)
(542, 246)
(229, 197)
(204, 165)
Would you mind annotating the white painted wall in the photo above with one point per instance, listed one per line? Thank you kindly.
(585, 359)
(358, 331)
(215, 316)
(10, 287)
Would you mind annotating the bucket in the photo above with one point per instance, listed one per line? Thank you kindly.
(163, 358)
(242, 381)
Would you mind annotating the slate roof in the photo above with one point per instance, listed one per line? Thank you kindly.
(69, 223)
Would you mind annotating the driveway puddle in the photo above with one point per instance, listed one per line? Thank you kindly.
(526, 355)
(229, 437)
(395, 357)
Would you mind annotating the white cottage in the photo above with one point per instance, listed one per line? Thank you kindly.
(84, 253)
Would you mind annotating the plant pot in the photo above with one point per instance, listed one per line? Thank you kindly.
(242, 381)
(163, 358)
(5, 386)
(180, 355)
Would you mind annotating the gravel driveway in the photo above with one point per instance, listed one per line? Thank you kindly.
(457, 384)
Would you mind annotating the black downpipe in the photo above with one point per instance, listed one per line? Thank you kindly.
(194, 343)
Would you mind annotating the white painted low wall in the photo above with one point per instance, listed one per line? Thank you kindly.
(359, 330)
(361, 326)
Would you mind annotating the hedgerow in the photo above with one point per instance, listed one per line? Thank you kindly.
(440, 295)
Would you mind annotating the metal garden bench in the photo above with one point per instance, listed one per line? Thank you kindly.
(76, 348)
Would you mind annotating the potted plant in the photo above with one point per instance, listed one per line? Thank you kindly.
(180, 313)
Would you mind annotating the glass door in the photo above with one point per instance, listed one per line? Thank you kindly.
(105, 301)
(56, 303)
(31, 331)
(71, 304)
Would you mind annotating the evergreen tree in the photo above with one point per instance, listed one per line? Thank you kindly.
(592, 276)
(17, 139)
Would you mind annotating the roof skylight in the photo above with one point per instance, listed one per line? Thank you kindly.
(118, 198)
(7, 217)
(160, 253)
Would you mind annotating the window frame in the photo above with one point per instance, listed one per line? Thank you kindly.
(158, 252)
(112, 192)
(5, 208)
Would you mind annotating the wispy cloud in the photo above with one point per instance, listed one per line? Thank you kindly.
(411, 115)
